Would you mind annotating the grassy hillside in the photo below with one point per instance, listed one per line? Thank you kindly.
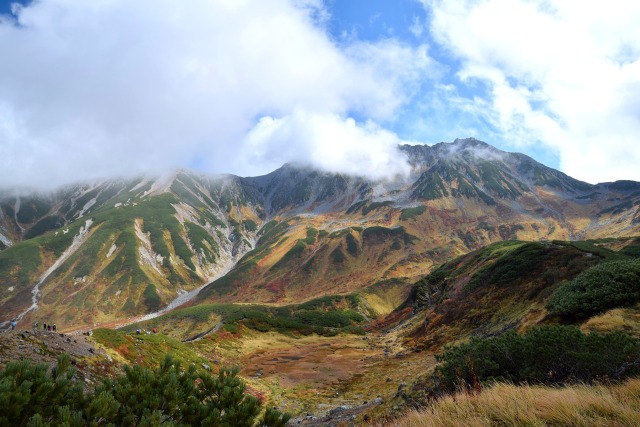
(295, 261)
(509, 285)
(326, 316)
(140, 250)
(507, 404)
(526, 312)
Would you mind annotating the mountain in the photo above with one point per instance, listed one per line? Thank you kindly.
(506, 285)
(115, 250)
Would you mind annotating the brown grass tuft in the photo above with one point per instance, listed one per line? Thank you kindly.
(510, 405)
(625, 319)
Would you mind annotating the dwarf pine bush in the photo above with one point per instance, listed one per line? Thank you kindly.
(33, 395)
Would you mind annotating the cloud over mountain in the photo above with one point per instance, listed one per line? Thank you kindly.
(327, 142)
(97, 88)
(100, 88)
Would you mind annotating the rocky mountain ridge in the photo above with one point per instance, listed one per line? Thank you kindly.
(289, 236)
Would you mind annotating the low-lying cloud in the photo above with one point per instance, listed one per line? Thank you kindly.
(95, 88)
(326, 141)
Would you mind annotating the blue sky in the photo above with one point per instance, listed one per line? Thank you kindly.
(93, 89)
(5, 6)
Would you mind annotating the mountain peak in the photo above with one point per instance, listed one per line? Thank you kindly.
(470, 142)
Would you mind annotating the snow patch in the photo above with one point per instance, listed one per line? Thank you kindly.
(217, 270)
(10, 289)
(112, 249)
(65, 231)
(5, 240)
(87, 206)
(117, 205)
(16, 209)
(159, 186)
(139, 185)
(78, 240)
(185, 212)
(145, 250)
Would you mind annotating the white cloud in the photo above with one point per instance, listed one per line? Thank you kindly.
(565, 73)
(103, 87)
(417, 27)
(325, 141)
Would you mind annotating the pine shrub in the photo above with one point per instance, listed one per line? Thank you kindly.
(605, 286)
(33, 395)
(553, 354)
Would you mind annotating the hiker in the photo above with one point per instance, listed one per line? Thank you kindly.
(49, 328)
(35, 325)
(44, 326)
(137, 331)
(13, 324)
(155, 330)
(54, 327)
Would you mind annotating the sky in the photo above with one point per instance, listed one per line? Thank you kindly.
(100, 88)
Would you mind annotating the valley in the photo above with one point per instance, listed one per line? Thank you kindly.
(332, 294)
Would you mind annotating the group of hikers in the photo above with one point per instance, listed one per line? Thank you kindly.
(46, 326)
(139, 331)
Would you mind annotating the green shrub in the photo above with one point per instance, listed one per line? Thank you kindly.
(295, 252)
(376, 205)
(605, 286)
(168, 395)
(483, 225)
(410, 213)
(512, 266)
(32, 209)
(546, 355)
(249, 225)
(20, 263)
(311, 236)
(45, 224)
(29, 393)
(430, 186)
(337, 256)
(352, 245)
(198, 236)
(327, 315)
(151, 298)
(632, 249)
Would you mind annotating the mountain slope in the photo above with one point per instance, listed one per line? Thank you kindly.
(145, 244)
(506, 285)
(286, 237)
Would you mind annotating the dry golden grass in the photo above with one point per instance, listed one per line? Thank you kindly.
(510, 405)
(384, 301)
(619, 319)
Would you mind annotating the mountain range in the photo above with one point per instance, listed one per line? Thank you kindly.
(113, 251)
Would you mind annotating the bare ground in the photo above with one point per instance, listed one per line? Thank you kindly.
(39, 346)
